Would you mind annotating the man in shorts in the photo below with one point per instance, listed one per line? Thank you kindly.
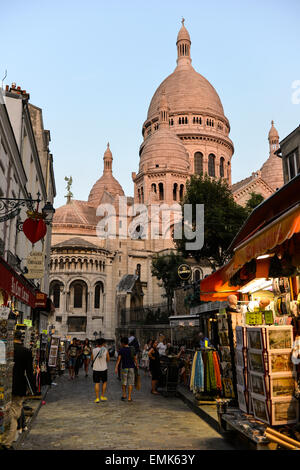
(128, 360)
(100, 358)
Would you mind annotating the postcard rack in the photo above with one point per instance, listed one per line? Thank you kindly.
(266, 376)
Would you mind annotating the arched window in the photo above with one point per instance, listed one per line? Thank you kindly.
(179, 120)
(56, 295)
(186, 120)
(175, 192)
(181, 192)
(153, 187)
(98, 290)
(78, 292)
(198, 163)
(161, 191)
(222, 167)
(138, 270)
(211, 165)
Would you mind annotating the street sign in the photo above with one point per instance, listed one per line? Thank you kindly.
(184, 272)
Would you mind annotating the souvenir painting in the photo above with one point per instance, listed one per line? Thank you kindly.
(280, 362)
(284, 411)
(240, 377)
(224, 340)
(255, 340)
(228, 388)
(282, 386)
(258, 385)
(239, 331)
(279, 337)
(225, 353)
(242, 399)
(260, 409)
(240, 358)
(256, 362)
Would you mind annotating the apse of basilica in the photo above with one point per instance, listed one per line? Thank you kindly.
(186, 132)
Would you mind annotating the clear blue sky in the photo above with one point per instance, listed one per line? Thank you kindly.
(94, 65)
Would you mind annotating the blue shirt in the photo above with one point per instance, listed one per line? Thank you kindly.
(126, 358)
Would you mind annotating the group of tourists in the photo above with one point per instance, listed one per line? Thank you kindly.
(79, 354)
(129, 359)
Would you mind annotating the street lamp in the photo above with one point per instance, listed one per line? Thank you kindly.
(48, 212)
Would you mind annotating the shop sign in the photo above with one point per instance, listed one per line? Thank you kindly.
(254, 318)
(269, 320)
(35, 265)
(184, 272)
(40, 300)
(13, 286)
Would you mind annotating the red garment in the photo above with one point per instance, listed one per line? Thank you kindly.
(217, 370)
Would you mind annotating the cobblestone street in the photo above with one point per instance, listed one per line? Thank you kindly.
(71, 420)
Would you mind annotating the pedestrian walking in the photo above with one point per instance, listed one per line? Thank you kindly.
(72, 354)
(128, 361)
(79, 360)
(100, 358)
(133, 342)
(87, 352)
(161, 347)
(145, 358)
(22, 371)
(154, 366)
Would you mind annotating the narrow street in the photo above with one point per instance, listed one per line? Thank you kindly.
(71, 420)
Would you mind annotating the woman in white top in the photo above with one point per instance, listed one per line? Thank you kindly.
(100, 358)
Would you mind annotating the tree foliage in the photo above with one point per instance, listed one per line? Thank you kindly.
(254, 201)
(165, 267)
(223, 218)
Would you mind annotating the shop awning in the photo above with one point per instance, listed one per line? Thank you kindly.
(216, 286)
(265, 240)
(15, 285)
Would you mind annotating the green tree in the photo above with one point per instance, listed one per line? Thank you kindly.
(223, 218)
(254, 200)
(165, 267)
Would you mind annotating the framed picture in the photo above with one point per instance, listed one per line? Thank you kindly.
(242, 399)
(240, 337)
(258, 384)
(260, 409)
(282, 386)
(240, 358)
(255, 338)
(228, 388)
(256, 361)
(225, 353)
(280, 362)
(279, 337)
(241, 377)
(284, 411)
(223, 336)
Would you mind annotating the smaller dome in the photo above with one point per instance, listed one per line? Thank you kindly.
(183, 33)
(75, 213)
(164, 149)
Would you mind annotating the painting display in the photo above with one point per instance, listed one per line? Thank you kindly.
(279, 337)
(258, 385)
(260, 409)
(280, 362)
(240, 337)
(256, 362)
(242, 399)
(284, 411)
(255, 338)
(283, 386)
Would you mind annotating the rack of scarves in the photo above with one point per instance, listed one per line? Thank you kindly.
(205, 372)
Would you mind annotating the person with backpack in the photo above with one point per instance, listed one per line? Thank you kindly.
(72, 354)
(100, 358)
(132, 341)
(128, 360)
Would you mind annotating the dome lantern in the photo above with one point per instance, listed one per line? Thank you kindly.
(183, 46)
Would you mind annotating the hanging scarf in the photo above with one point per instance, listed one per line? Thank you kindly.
(193, 372)
(211, 384)
(217, 370)
(199, 374)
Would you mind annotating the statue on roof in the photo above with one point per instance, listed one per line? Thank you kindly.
(69, 194)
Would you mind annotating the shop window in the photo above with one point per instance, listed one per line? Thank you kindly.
(76, 324)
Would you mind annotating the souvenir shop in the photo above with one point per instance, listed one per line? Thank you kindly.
(259, 331)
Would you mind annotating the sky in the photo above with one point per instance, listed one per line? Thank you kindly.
(94, 66)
